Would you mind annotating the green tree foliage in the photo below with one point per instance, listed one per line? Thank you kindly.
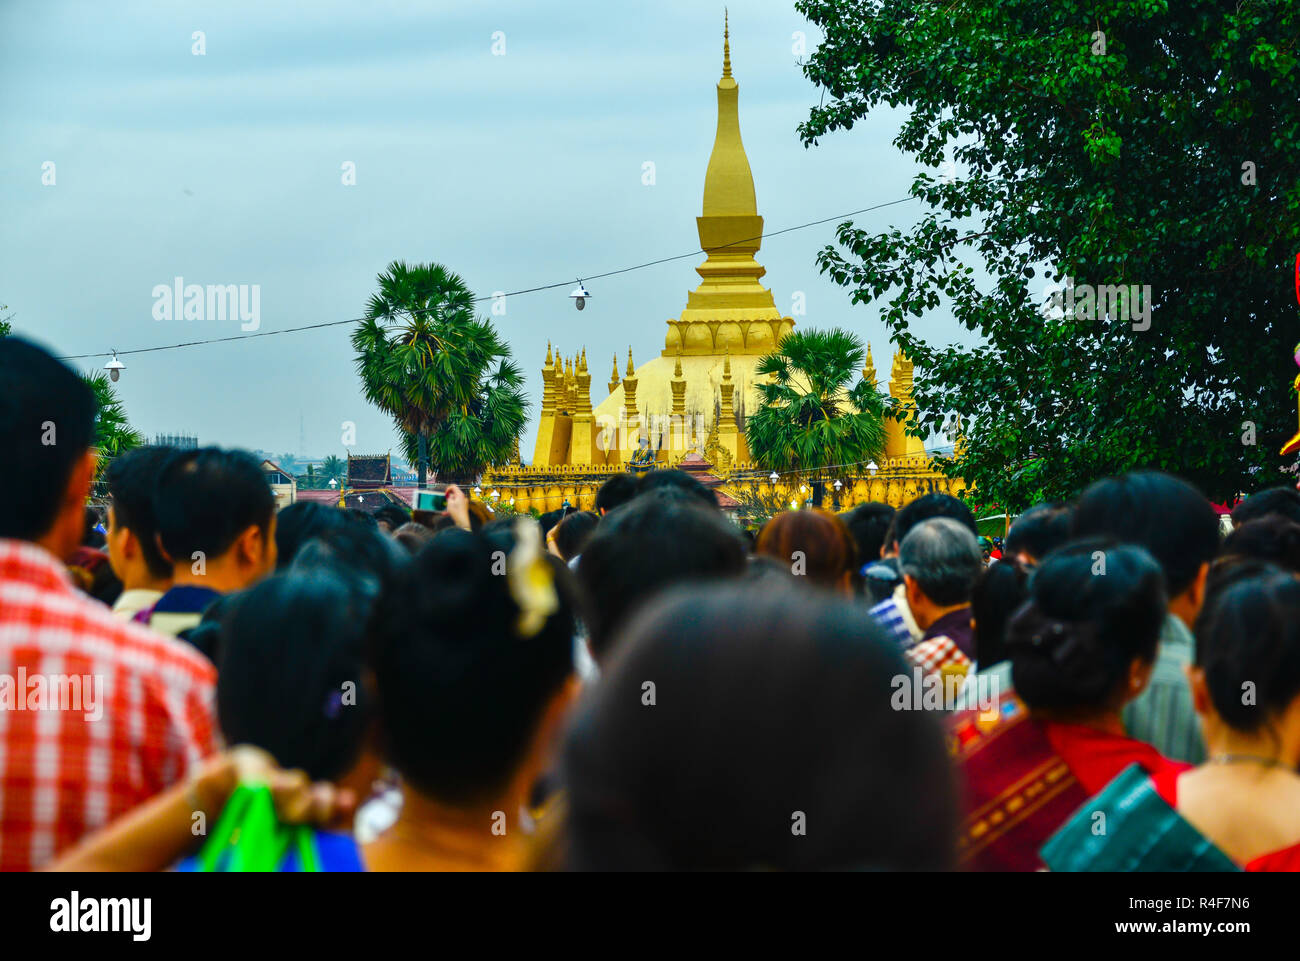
(1139, 142)
(443, 374)
(113, 432)
(818, 410)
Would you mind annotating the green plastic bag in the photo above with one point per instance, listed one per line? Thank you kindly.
(249, 837)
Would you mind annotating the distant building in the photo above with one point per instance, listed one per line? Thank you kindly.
(282, 484)
(179, 441)
(369, 472)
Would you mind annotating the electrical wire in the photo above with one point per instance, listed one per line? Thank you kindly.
(514, 293)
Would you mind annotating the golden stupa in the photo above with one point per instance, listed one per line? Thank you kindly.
(693, 397)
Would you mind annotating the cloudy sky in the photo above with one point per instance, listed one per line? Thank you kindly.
(516, 169)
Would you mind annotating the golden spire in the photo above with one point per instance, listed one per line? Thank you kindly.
(869, 368)
(613, 378)
(726, 45)
(629, 362)
(728, 183)
(548, 354)
(677, 370)
(726, 365)
(582, 364)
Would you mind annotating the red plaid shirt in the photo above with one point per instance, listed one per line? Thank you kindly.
(96, 714)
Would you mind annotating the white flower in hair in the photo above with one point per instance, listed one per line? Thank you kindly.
(530, 579)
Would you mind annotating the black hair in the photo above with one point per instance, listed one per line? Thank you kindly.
(997, 595)
(616, 491)
(734, 714)
(1162, 513)
(549, 520)
(1271, 538)
(300, 522)
(868, 523)
(1248, 640)
(931, 505)
(678, 480)
(205, 498)
(91, 519)
(392, 515)
(131, 478)
(1275, 500)
(291, 676)
(461, 690)
(47, 423)
(660, 539)
(1040, 530)
(368, 558)
(572, 533)
(1093, 607)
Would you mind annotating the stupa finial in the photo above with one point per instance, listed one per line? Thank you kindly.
(726, 45)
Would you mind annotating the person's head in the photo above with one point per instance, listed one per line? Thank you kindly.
(1166, 516)
(549, 520)
(413, 536)
(616, 491)
(869, 523)
(770, 743)
(390, 517)
(91, 535)
(1246, 677)
(658, 540)
(570, 536)
(472, 679)
(817, 546)
(1271, 538)
(1084, 643)
(291, 673)
(940, 561)
(926, 507)
(369, 559)
(678, 480)
(1038, 531)
(1275, 500)
(299, 523)
(47, 427)
(216, 518)
(132, 530)
(997, 595)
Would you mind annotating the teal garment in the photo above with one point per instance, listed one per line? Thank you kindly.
(1163, 715)
(1129, 827)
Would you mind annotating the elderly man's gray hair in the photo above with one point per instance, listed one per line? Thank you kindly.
(944, 557)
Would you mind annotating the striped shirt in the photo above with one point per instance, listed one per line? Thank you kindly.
(1162, 715)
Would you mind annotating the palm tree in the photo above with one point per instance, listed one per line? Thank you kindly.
(114, 435)
(443, 374)
(813, 415)
(332, 468)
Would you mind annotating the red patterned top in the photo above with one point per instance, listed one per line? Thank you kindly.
(96, 714)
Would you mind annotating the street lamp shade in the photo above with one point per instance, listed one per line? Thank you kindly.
(114, 368)
(580, 296)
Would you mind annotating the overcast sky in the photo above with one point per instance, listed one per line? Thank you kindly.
(514, 170)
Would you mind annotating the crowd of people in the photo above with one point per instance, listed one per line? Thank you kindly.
(643, 686)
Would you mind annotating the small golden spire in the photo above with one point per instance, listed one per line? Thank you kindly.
(629, 362)
(548, 354)
(615, 375)
(677, 370)
(726, 45)
(726, 365)
(582, 364)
